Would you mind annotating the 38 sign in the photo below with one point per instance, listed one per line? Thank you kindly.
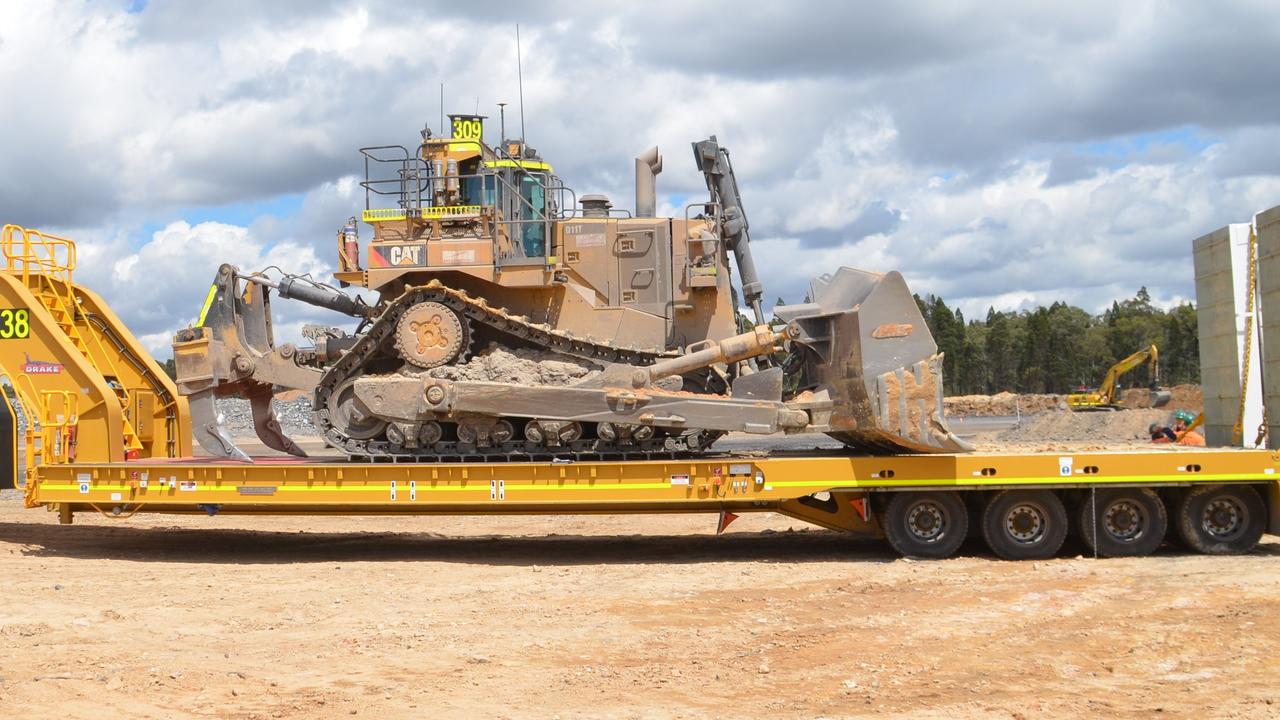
(15, 323)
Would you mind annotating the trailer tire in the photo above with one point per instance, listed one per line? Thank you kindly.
(1221, 519)
(1024, 524)
(1130, 521)
(928, 525)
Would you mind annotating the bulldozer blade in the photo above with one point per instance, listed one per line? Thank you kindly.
(865, 345)
(267, 425)
(1160, 398)
(209, 428)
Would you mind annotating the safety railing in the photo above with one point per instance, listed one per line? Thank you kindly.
(377, 215)
(52, 420)
(31, 252)
(45, 263)
(423, 191)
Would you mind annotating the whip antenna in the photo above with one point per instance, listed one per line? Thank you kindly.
(520, 78)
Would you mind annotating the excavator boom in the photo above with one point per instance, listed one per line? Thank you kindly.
(1105, 396)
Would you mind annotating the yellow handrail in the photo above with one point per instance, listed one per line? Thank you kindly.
(31, 252)
(377, 215)
(52, 420)
(45, 263)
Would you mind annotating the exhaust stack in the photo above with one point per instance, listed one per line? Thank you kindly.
(648, 165)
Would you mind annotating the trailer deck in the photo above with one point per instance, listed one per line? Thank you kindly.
(107, 432)
(828, 489)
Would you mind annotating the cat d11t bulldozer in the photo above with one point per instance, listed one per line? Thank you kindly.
(516, 320)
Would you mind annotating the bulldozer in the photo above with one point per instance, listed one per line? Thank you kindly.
(514, 319)
(1107, 396)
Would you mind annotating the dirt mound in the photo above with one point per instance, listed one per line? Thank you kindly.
(1185, 397)
(1103, 427)
(526, 367)
(1004, 403)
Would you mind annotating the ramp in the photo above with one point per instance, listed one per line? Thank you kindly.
(76, 363)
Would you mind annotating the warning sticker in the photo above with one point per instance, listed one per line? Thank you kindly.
(187, 485)
(586, 240)
(679, 479)
(458, 257)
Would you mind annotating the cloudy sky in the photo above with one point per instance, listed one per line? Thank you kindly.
(998, 153)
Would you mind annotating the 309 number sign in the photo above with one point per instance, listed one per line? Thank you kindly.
(467, 127)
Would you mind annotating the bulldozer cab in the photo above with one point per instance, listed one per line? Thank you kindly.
(457, 203)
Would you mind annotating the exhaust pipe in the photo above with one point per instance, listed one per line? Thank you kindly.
(648, 165)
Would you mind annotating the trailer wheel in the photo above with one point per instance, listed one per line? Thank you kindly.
(925, 524)
(1024, 524)
(1128, 521)
(1220, 519)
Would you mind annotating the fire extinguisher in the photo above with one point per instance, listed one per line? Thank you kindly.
(351, 243)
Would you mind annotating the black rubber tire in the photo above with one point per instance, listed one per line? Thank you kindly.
(929, 525)
(1130, 521)
(1220, 519)
(1024, 524)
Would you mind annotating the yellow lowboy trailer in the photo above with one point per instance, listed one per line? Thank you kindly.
(107, 433)
(1121, 503)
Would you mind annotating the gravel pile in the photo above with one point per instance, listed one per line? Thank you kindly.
(1002, 404)
(1101, 427)
(294, 415)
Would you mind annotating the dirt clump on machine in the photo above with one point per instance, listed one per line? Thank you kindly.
(521, 366)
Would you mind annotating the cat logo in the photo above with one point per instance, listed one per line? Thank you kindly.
(405, 254)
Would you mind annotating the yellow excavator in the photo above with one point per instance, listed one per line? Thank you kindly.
(1106, 396)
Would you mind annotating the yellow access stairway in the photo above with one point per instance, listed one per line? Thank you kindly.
(64, 339)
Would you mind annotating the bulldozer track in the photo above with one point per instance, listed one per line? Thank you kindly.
(478, 313)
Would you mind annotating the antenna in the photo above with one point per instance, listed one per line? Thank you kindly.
(520, 76)
(502, 125)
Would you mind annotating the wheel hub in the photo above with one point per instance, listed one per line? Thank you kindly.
(430, 335)
(1222, 518)
(926, 521)
(1124, 520)
(1025, 523)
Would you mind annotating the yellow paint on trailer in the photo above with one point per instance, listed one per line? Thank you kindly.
(617, 486)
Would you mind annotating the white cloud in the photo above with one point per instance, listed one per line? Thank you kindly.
(969, 144)
(159, 287)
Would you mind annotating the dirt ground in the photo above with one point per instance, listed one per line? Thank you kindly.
(619, 617)
(1181, 397)
(608, 617)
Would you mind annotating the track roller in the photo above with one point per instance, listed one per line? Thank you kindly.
(1220, 519)
(1024, 524)
(1122, 522)
(485, 432)
(552, 433)
(925, 524)
(430, 433)
(349, 418)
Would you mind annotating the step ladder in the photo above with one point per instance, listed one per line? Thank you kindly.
(45, 264)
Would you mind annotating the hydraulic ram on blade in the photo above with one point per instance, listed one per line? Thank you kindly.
(294, 287)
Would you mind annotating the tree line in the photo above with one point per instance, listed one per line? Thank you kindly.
(1060, 348)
